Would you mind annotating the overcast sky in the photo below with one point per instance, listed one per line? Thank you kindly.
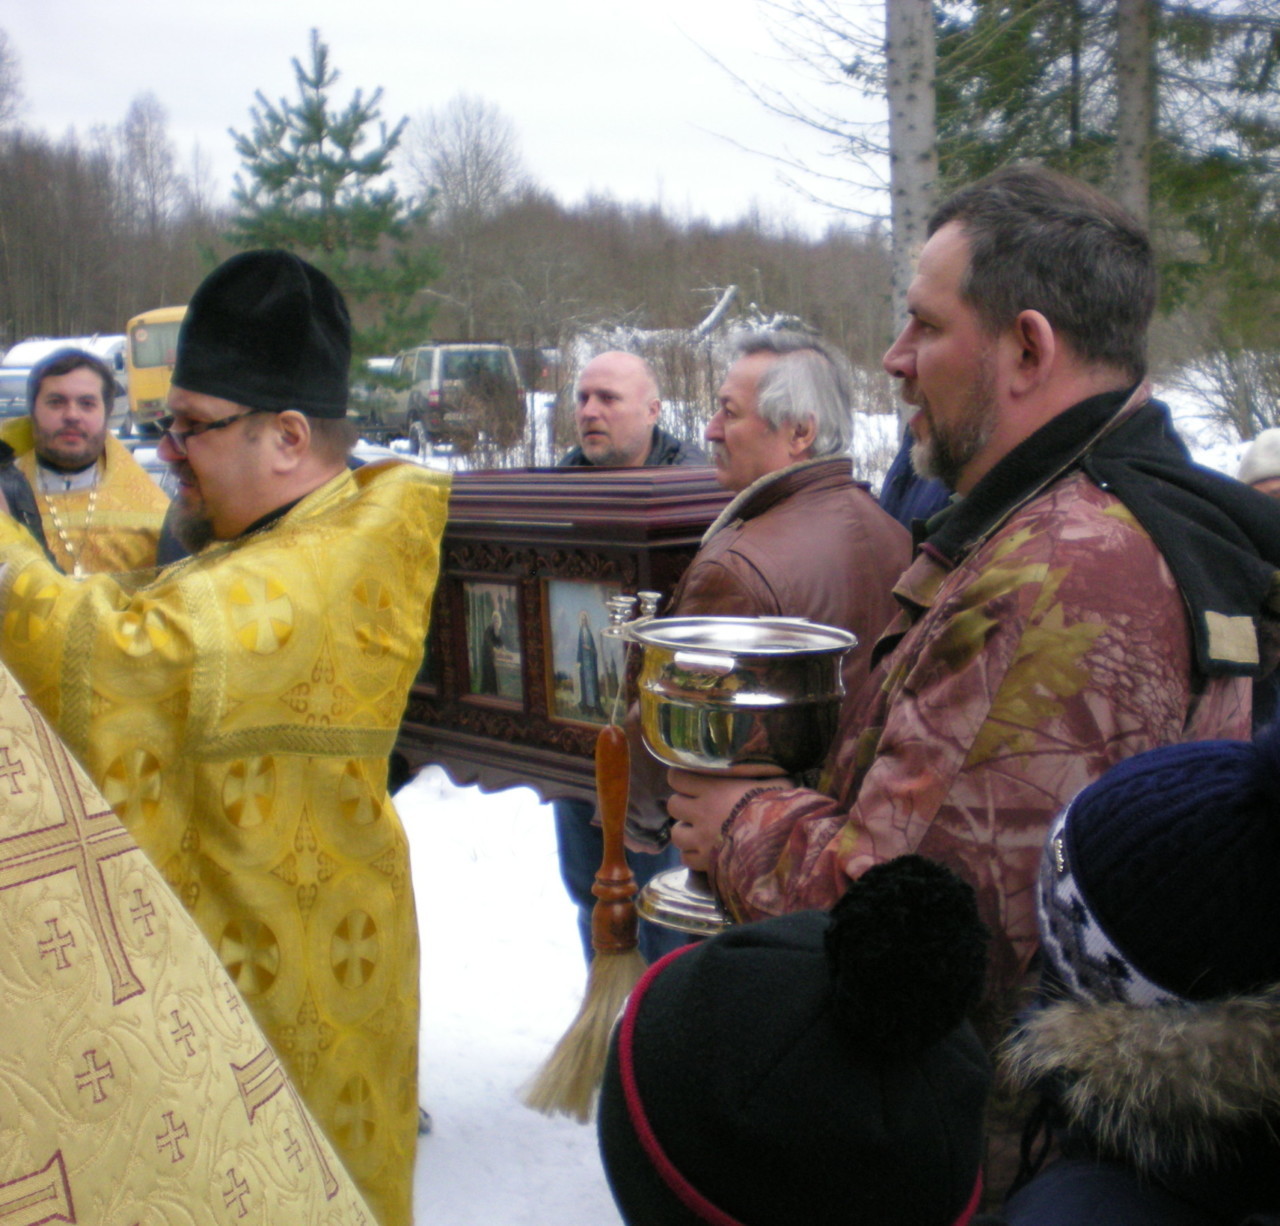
(605, 97)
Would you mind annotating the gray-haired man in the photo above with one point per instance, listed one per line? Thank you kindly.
(801, 537)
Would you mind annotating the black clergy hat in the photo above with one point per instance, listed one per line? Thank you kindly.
(268, 331)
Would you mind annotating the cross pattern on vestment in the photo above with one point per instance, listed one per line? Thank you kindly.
(374, 617)
(262, 614)
(56, 944)
(232, 998)
(80, 843)
(354, 1116)
(294, 1148)
(142, 912)
(174, 1132)
(182, 1032)
(235, 1193)
(29, 608)
(259, 1082)
(354, 949)
(10, 770)
(94, 1075)
(42, 1196)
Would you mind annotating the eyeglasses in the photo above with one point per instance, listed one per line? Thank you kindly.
(179, 437)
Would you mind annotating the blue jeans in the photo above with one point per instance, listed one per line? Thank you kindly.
(581, 847)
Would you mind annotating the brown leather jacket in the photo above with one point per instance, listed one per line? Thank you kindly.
(805, 541)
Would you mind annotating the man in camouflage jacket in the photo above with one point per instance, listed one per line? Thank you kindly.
(1091, 595)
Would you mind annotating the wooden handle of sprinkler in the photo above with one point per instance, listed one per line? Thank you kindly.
(613, 918)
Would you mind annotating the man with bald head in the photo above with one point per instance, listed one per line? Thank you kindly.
(616, 412)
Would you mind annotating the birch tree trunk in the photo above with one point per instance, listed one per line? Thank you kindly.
(1135, 107)
(913, 157)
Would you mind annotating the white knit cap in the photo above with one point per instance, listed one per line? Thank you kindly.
(1262, 460)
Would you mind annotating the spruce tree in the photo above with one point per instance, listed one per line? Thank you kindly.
(1043, 80)
(317, 182)
(1028, 79)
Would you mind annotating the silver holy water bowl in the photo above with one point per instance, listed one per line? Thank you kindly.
(739, 695)
(746, 696)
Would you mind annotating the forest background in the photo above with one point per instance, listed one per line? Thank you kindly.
(437, 228)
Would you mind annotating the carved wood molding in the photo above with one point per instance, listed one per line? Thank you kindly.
(626, 528)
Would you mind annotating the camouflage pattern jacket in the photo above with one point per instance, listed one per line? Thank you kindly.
(1038, 646)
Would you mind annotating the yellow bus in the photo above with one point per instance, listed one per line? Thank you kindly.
(149, 356)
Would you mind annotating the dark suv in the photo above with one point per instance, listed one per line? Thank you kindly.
(457, 393)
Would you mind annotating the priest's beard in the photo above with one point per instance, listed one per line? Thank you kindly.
(191, 526)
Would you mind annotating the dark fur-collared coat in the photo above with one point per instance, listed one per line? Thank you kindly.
(1173, 1110)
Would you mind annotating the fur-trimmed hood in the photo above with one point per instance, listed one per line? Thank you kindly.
(1159, 1086)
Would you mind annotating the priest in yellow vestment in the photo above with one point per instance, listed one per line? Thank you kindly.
(97, 508)
(238, 709)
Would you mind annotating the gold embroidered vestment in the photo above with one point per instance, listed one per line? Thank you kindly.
(136, 1087)
(237, 712)
(128, 509)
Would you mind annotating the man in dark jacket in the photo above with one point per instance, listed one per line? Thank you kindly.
(616, 413)
(616, 410)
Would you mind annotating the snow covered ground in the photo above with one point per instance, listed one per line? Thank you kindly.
(502, 978)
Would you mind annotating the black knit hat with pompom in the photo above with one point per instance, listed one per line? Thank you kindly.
(815, 1068)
